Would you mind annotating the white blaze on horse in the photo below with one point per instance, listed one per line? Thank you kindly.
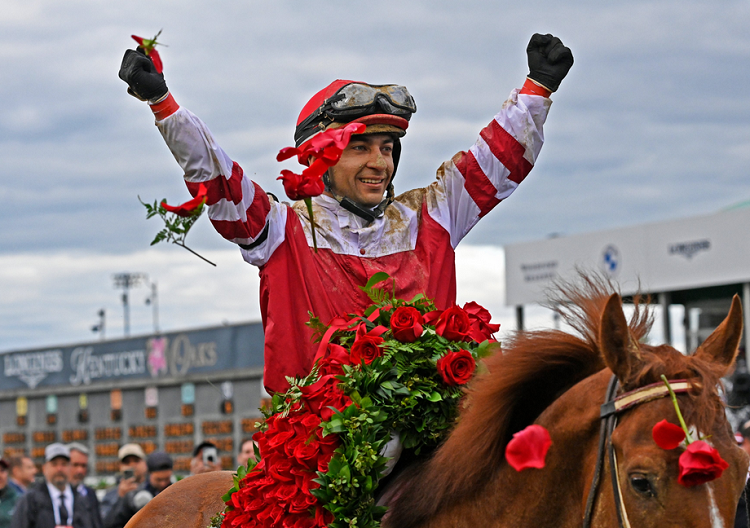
(559, 381)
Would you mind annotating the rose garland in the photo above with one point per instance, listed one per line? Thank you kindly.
(399, 367)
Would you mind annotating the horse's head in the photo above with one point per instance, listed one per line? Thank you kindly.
(648, 474)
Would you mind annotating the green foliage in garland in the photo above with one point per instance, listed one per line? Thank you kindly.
(400, 390)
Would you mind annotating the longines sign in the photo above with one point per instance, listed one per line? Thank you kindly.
(166, 356)
(697, 252)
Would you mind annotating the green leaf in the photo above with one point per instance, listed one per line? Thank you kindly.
(435, 397)
(375, 279)
(345, 473)
(487, 348)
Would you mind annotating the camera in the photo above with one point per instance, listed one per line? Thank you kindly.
(128, 474)
(210, 455)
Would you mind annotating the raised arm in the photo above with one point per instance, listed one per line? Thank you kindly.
(238, 208)
(472, 183)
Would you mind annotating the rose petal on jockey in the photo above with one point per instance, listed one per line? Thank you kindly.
(365, 173)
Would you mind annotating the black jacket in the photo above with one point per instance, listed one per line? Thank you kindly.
(35, 510)
(126, 507)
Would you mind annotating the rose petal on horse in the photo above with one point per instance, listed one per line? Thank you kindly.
(528, 448)
(667, 435)
(700, 463)
(190, 207)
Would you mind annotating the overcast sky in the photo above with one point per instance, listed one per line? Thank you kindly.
(651, 124)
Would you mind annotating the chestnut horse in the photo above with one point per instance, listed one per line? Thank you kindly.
(559, 381)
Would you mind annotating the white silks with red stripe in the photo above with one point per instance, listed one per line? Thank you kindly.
(413, 241)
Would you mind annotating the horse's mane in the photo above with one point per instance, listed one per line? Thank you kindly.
(535, 368)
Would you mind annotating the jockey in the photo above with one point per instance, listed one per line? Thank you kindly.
(362, 227)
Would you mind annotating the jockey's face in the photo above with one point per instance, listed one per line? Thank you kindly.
(365, 169)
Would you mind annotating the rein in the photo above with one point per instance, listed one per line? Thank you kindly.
(609, 410)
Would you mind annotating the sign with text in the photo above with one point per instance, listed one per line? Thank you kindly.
(168, 356)
(666, 256)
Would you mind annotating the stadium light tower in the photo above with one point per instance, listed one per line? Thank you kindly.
(125, 281)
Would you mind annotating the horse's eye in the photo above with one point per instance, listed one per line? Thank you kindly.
(642, 485)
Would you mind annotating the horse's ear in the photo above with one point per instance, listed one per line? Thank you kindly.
(721, 346)
(620, 351)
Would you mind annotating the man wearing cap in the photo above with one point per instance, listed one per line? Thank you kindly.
(54, 503)
(205, 459)
(79, 468)
(22, 473)
(159, 478)
(8, 496)
(362, 227)
(132, 474)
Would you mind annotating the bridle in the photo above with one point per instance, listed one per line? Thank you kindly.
(609, 410)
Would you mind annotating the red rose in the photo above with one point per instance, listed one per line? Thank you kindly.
(314, 396)
(456, 368)
(700, 463)
(479, 317)
(338, 400)
(667, 435)
(331, 361)
(322, 395)
(528, 448)
(188, 208)
(453, 324)
(406, 324)
(305, 185)
(366, 348)
(149, 47)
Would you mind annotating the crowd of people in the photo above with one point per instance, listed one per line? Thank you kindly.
(59, 496)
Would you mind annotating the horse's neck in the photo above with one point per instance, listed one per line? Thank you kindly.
(560, 488)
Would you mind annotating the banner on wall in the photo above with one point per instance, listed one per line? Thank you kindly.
(168, 356)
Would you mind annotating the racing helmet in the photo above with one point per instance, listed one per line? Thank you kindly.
(383, 108)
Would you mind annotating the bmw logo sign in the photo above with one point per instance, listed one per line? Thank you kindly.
(611, 261)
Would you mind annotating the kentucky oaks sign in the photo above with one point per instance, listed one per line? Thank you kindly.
(172, 355)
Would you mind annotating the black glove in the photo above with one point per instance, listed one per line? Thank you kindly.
(143, 80)
(549, 60)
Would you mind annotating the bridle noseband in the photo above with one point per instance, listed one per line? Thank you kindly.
(610, 409)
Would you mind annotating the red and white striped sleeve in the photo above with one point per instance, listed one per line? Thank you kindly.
(471, 184)
(238, 208)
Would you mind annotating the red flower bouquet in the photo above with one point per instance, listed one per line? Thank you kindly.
(319, 447)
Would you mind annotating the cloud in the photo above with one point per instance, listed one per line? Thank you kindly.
(650, 125)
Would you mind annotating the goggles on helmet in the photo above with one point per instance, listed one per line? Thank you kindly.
(355, 100)
(358, 99)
